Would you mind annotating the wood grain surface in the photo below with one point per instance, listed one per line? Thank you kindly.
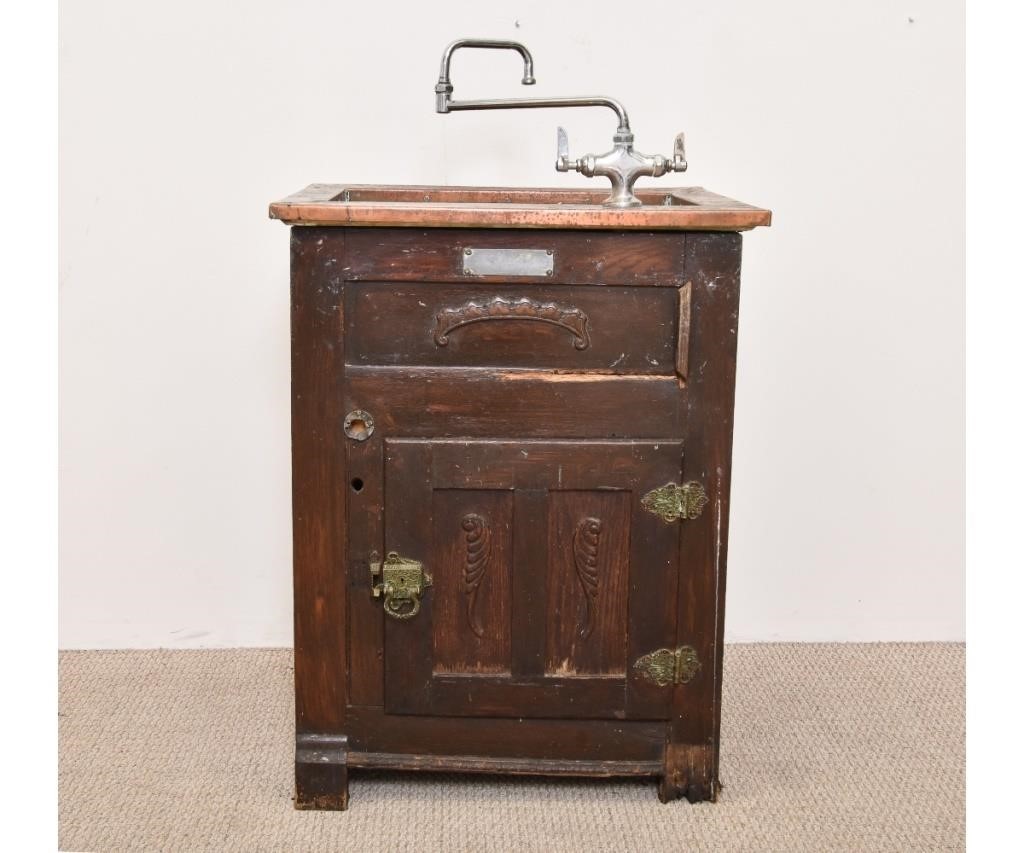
(510, 456)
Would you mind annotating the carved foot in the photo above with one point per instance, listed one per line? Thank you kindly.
(321, 772)
(688, 773)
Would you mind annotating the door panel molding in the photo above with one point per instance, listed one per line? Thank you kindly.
(546, 573)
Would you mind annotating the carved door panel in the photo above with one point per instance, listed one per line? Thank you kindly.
(549, 579)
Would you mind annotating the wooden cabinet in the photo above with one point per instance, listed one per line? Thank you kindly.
(511, 459)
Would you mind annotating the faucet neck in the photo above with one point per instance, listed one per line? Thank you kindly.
(443, 90)
(496, 44)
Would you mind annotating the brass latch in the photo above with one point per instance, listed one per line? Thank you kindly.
(668, 666)
(401, 581)
(671, 501)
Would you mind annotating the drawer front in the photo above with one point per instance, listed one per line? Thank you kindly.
(631, 330)
(629, 259)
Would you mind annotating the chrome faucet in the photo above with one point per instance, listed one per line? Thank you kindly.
(622, 165)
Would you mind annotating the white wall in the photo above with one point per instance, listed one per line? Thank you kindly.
(180, 121)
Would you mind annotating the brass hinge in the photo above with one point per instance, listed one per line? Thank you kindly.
(671, 501)
(668, 666)
(400, 581)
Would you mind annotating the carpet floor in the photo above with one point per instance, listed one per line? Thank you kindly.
(824, 747)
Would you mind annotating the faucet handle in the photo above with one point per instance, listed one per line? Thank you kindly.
(678, 163)
(563, 163)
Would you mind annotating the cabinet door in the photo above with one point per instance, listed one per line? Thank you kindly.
(549, 579)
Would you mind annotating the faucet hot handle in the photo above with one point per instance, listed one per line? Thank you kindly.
(563, 163)
(678, 163)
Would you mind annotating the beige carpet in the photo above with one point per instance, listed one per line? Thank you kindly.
(825, 747)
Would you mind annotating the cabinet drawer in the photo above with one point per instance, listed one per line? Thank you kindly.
(630, 330)
(630, 259)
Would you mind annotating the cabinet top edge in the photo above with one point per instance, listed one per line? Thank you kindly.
(370, 205)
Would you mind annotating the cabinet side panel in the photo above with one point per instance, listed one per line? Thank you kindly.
(713, 266)
(318, 534)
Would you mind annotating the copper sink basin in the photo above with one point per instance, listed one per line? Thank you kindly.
(502, 196)
(365, 205)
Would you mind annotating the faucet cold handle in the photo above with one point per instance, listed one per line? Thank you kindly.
(563, 163)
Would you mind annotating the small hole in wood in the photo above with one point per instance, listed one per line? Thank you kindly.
(358, 425)
(357, 484)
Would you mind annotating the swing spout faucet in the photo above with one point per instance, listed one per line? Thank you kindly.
(443, 89)
(622, 165)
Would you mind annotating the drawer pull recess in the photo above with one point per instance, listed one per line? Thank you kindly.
(571, 319)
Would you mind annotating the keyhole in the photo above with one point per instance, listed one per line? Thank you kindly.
(357, 484)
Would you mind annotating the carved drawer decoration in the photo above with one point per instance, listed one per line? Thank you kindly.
(621, 330)
(573, 320)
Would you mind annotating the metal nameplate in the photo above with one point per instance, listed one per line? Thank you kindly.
(524, 262)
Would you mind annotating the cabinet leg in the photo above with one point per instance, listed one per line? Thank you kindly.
(321, 772)
(689, 772)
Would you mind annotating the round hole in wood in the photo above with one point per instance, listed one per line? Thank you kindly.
(357, 484)
(358, 425)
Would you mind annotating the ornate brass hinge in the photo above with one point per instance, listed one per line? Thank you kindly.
(668, 666)
(671, 501)
(401, 581)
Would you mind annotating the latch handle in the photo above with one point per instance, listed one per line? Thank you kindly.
(393, 607)
(400, 581)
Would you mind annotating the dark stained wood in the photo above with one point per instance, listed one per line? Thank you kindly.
(588, 572)
(572, 697)
(364, 490)
(552, 464)
(683, 332)
(321, 772)
(374, 730)
(318, 477)
(530, 584)
(472, 571)
(627, 329)
(557, 507)
(630, 259)
(713, 263)
(512, 457)
(532, 404)
(515, 766)
(409, 525)
(690, 208)
(690, 771)
(654, 548)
